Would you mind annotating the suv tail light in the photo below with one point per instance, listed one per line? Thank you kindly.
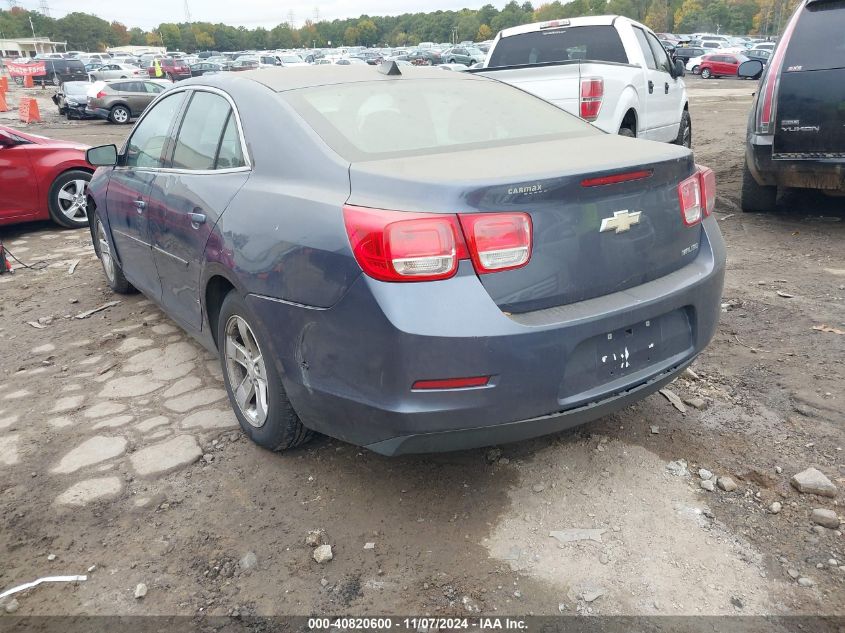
(402, 246)
(768, 90)
(101, 94)
(592, 93)
(697, 195)
(498, 241)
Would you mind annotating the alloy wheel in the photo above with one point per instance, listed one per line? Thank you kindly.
(105, 251)
(246, 371)
(72, 201)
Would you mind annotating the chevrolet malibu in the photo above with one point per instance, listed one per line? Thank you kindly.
(410, 260)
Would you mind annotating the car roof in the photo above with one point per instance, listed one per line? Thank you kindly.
(295, 78)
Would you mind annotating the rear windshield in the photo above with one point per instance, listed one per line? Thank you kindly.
(597, 43)
(818, 42)
(383, 119)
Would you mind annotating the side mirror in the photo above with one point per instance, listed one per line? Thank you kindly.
(752, 69)
(102, 156)
(680, 69)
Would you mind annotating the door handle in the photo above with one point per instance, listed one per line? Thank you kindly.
(197, 219)
(650, 86)
(140, 205)
(666, 88)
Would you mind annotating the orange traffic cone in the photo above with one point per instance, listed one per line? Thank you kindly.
(3, 106)
(27, 81)
(4, 84)
(28, 111)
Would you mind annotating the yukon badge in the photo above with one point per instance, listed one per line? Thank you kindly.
(620, 222)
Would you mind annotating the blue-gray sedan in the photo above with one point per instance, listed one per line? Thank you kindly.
(407, 259)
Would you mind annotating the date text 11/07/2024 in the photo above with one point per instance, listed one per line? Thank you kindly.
(420, 625)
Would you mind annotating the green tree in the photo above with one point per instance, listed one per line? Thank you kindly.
(367, 32)
(484, 33)
(350, 36)
(83, 31)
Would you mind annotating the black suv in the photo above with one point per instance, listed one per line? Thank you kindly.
(796, 129)
(61, 70)
(686, 53)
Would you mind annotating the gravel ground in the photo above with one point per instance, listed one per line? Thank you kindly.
(119, 455)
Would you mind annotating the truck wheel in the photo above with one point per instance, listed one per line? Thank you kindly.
(685, 131)
(626, 131)
(706, 74)
(756, 197)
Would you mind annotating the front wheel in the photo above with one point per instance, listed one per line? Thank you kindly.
(102, 247)
(68, 203)
(252, 381)
(706, 74)
(696, 70)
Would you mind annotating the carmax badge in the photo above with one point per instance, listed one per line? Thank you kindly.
(620, 222)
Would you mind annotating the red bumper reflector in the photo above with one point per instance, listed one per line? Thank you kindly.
(617, 178)
(452, 383)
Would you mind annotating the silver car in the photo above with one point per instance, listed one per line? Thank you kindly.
(116, 71)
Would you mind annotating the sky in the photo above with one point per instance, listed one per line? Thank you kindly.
(249, 13)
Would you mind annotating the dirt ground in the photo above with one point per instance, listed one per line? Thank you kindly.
(120, 458)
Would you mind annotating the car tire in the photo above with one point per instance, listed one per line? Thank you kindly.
(263, 410)
(111, 268)
(685, 131)
(120, 114)
(706, 73)
(696, 70)
(756, 198)
(67, 199)
(626, 131)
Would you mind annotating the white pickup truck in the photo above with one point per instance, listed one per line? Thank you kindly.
(609, 70)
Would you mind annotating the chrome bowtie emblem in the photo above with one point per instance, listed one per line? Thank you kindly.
(620, 222)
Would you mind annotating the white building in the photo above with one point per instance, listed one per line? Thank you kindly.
(29, 46)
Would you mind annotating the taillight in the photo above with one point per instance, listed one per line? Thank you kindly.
(399, 246)
(101, 94)
(697, 195)
(768, 91)
(708, 189)
(689, 193)
(498, 241)
(592, 93)
(402, 246)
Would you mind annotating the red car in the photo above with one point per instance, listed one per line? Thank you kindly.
(173, 69)
(42, 179)
(720, 65)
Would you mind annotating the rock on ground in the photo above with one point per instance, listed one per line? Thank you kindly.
(825, 517)
(814, 482)
(727, 484)
(323, 553)
(88, 490)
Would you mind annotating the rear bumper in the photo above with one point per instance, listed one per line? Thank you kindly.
(97, 113)
(806, 172)
(348, 370)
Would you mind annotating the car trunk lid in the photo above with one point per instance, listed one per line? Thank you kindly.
(572, 259)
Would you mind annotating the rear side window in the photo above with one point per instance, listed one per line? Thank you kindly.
(599, 43)
(645, 48)
(818, 42)
(385, 119)
(205, 128)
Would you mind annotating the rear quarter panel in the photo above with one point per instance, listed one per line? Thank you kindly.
(283, 235)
